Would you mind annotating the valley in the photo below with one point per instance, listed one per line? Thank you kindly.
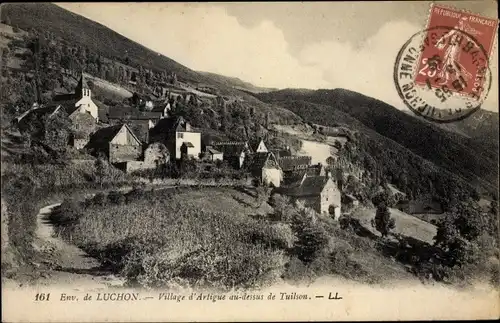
(140, 171)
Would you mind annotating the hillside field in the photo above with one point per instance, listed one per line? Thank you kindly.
(406, 224)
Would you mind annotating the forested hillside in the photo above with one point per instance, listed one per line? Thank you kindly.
(457, 154)
(49, 40)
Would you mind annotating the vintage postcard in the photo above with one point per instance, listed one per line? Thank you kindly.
(279, 161)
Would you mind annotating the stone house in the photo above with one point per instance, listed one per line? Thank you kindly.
(178, 136)
(317, 192)
(294, 167)
(118, 143)
(212, 155)
(83, 124)
(81, 98)
(264, 167)
(234, 152)
(299, 174)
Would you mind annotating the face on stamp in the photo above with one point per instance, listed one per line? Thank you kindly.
(442, 73)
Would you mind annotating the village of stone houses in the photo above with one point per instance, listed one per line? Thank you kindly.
(123, 168)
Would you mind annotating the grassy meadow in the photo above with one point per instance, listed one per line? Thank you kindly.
(220, 238)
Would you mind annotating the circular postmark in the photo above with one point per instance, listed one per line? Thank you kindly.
(442, 74)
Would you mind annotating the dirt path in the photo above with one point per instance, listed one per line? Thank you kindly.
(70, 265)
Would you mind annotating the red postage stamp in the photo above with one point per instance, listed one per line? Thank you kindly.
(453, 54)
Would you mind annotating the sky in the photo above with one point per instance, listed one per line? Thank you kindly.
(313, 45)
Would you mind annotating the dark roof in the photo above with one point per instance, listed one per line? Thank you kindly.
(188, 144)
(68, 105)
(231, 148)
(254, 144)
(213, 151)
(159, 107)
(281, 152)
(259, 160)
(294, 162)
(102, 137)
(311, 186)
(42, 111)
(314, 170)
(64, 97)
(172, 124)
(293, 176)
(140, 128)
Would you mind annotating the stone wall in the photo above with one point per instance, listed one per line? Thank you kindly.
(80, 143)
(123, 153)
(156, 153)
(135, 165)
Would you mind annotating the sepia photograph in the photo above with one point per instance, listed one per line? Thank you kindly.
(267, 161)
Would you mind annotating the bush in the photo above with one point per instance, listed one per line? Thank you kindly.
(221, 266)
(99, 199)
(116, 197)
(68, 213)
(134, 195)
(297, 271)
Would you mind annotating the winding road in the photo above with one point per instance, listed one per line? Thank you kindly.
(71, 266)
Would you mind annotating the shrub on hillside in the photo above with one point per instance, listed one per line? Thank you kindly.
(100, 199)
(134, 195)
(283, 208)
(67, 213)
(221, 267)
(116, 197)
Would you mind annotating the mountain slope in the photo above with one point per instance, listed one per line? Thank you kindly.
(76, 29)
(455, 153)
(236, 83)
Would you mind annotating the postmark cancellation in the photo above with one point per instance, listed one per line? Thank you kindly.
(442, 73)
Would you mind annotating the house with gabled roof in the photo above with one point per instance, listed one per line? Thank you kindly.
(291, 163)
(234, 152)
(258, 146)
(299, 174)
(212, 154)
(118, 143)
(82, 122)
(265, 168)
(178, 136)
(317, 192)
